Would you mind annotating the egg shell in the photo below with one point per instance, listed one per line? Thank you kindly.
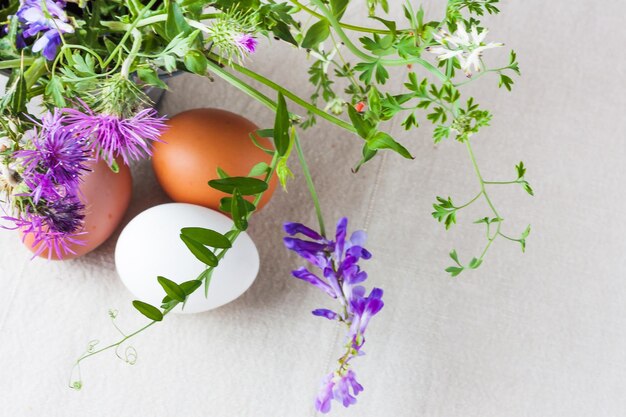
(106, 196)
(150, 246)
(199, 141)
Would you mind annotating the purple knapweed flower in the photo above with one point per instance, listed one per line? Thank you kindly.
(55, 225)
(46, 17)
(112, 136)
(246, 44)
(341, 278)
(53, 168)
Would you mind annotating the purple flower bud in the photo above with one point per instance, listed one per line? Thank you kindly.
(322, 312)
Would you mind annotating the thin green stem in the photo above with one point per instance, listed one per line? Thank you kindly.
(310, 184)
(502, 182)
(471, 201)
(509, 238)
(16, 63)
(293, 97)
(129, 30)
(137, 38)
(487, 198)
(346, 25)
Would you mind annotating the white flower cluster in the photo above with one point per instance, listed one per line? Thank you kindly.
(465, 44)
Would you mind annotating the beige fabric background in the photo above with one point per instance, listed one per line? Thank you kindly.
(540, 334)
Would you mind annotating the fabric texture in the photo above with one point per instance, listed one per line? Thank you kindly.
(535, 334)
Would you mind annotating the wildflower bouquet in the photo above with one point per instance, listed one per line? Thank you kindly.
(90, 60)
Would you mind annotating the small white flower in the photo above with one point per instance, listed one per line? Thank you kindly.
(466, 46)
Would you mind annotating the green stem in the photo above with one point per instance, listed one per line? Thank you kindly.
(310, 184)
(16, 63)
(486, 195)
(287, 93)
(502, 182)
(35, 71)
(470, 202)
(241, 85)
(346, 25)
(129, 30)
(136, 34)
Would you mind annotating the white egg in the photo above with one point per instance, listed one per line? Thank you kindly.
(150, 246)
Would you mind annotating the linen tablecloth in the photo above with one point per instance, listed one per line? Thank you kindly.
(535, 334)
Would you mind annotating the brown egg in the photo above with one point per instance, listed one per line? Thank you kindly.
(199, 141)
(106, 196)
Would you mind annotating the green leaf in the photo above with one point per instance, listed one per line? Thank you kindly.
(455, 257)
(339, 7)
(259, 169)
(391, 25)
(150, 77)
(226, 207)
(283, 172)
(316, 35)
(445, 211)
(475, 263)
(245, 185)
(521, 170)
(148, 310)
(175, 23)
(454, 270)
(18, 99)
(363, 128)
(238, 211)
(281, 30)
(172, 289)
(523, 238)
(505, 81)
(527, 187)
(203, 254)
(55, 90)
(221, 173)
(190, 286)
(281, 126)
(382, 140)
(196, 62)
(207, 237)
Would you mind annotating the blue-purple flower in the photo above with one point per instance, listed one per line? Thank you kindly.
(112, 136)
(53, 168)
(46, 18)
(341, 279)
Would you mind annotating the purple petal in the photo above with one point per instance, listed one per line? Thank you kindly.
(295, 228)
(322, 312)
(306, 275)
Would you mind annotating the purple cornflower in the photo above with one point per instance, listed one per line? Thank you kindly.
(55, 225)
(53, 168)
(113, 136)
(45, 16)
(342, 276)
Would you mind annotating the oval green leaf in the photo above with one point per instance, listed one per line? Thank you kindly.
(203, 254)
(172, 289)
(316, 34)
(207, 237)
(148, 310)
(245, 185)
(190, 286)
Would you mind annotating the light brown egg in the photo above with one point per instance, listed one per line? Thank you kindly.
(106, 196)
(199, 141)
